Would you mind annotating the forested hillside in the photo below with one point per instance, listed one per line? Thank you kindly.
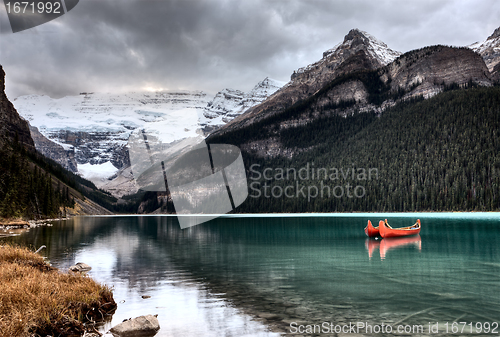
(35, 187)
(26, 190)
(440, 154)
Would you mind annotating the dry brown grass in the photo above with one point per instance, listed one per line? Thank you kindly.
(13, 222)
(36, 299)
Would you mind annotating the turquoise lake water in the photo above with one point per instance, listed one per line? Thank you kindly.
(255, 275)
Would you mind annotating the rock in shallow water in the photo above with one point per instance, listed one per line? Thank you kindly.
(141, 326)
(80, 267)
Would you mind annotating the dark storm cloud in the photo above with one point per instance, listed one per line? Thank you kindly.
(116, 45)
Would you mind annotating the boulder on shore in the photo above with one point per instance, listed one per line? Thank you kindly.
(141, 326)
(80, 267)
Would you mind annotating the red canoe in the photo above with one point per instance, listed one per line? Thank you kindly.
(371, 231)
(386, 231)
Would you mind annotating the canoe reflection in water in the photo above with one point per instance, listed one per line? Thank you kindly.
(387, 244)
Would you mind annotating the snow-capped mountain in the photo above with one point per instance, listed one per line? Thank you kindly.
(489, 49)
(354, 41)
(94, 127)
(354, 77)
(228, 103)
(376, 48)
(358, 51)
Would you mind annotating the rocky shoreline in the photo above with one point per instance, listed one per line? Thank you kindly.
(13, 227)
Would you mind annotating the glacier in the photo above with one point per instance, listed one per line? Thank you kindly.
(96, 126)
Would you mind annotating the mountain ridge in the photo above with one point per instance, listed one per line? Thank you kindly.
(436, 154)
(354, 41)
(353, 55)
(229, 103)
(410, 76)
(370, 53)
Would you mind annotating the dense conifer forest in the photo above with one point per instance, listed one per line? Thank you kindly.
(440, 154)
(33, 186)
(27, 190)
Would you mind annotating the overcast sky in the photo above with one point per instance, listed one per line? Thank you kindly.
(127, 45)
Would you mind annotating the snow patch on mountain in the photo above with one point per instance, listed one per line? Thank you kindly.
(380, 51)
(481, 47)
(489, 49)
(98, 171)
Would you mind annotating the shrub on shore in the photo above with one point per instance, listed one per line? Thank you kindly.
(37, 299)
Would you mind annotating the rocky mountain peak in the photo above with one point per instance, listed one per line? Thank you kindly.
(356, 43)
(265, 88)
(419, 72)
(358, 51)
(266, 82)
(229, 103)
(495, 34)
(357, 40)
(352, 34)
(489, 49)
(356, 35)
